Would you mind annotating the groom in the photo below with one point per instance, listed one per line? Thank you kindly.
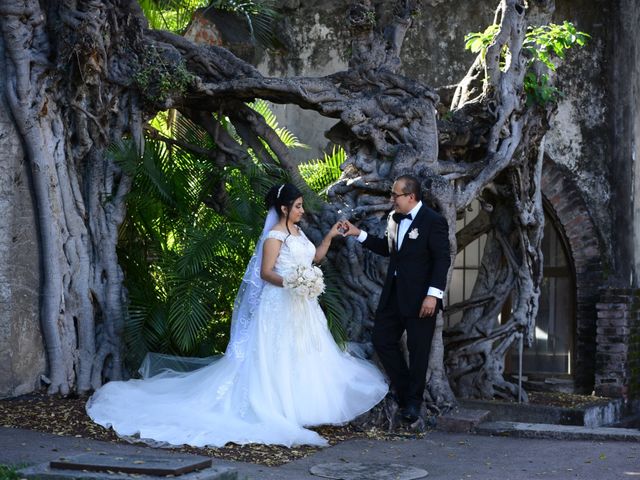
(417, 242)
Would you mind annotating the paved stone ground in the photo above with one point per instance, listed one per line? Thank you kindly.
(444, 455)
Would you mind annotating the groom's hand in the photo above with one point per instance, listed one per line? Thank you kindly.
(429, 305)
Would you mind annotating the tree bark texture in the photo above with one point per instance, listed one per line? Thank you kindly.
(68, 107)
(87, 73)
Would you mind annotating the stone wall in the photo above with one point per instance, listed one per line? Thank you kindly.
(623, 125)
(618, 344)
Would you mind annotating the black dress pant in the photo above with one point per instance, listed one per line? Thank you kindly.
(408, 381)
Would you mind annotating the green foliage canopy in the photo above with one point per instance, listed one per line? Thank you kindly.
(542, 44)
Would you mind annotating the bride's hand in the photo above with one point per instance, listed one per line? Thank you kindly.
(337, 229)
(322, 249)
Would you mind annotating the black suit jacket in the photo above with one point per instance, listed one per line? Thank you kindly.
(422, 261)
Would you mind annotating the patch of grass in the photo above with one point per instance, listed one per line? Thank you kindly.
(8, 472)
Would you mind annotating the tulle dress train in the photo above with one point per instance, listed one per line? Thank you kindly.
(282, 373)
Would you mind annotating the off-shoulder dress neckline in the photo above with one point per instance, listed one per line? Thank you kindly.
(299, 234)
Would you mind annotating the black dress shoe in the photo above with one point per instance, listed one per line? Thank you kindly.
(410, 413)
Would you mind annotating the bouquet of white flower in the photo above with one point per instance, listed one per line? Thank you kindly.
(304, 280)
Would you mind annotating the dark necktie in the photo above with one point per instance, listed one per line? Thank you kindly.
(398, 217)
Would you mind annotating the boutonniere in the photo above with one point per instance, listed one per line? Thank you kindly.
(413, 234)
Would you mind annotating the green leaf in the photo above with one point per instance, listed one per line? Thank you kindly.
(331, 303)
(189, 313)
(260, 16)
(172, 15)
(541, 44)
(321, 173)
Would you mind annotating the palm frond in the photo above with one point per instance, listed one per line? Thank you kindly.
(208, 249)
(331, 303)
(189, 313)
(184, 129)
(321, 173)
(260, 15)
(172, 15)
(146, 323)
(286, 136)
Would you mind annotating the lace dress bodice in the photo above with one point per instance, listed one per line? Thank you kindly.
(295, 250)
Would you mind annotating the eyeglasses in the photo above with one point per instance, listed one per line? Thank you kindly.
(395, 195)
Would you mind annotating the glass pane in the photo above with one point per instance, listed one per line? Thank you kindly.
(560, 257)
(469, 281)
(471, 255)
(552, 247)
(456, 288)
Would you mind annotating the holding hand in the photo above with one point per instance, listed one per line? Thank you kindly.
(321, 250)
(348, 229)
(336, 230)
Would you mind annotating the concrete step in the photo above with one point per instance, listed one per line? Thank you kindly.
(606, 412)
(461, 420)
(564, 432)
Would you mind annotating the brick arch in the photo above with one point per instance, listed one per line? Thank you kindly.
(569, 210)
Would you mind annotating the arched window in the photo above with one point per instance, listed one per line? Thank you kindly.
(553, 344)
(553, 347)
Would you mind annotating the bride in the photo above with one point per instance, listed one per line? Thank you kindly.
(281, 372)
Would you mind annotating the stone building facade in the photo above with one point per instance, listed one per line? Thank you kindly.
(591, 183)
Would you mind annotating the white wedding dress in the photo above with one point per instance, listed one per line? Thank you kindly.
(282, 372)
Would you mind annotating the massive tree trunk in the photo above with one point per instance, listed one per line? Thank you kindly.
(68, 105)
(87, 72)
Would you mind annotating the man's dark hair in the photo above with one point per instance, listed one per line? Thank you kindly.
(411, 185)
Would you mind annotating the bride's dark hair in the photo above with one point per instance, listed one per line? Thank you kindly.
(281, 195)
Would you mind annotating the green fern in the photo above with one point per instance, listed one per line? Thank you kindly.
(321, 173)
(331, 302)
(172, 15)
(260, 16)
(180, 257)
(287, 137)
(184, 261)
